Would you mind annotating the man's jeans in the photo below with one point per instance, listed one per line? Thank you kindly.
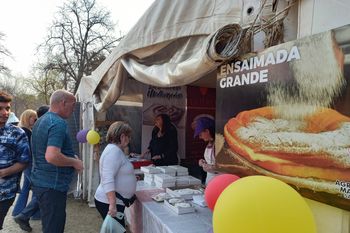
(31, 209)
(4, 208)
(52, 205)
(22, 198)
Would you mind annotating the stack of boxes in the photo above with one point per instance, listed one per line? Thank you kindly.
(164, 180)
(167, 170)
(182, 181)
(180, 171)
(149, 172)
(168, 176)
(194, 181)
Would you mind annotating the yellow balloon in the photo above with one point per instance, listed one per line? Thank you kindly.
(93, 137)
(261, 204)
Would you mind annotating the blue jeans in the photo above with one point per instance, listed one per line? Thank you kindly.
(31, 210)
(22, 199)
(52, 204)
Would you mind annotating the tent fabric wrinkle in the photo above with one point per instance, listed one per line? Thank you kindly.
(192, 59)
(87, 83)
(174, 43)
(169, 20)
(111, 89)
(182, 64)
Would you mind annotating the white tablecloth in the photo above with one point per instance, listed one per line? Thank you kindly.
(148, 216)
(156, 217)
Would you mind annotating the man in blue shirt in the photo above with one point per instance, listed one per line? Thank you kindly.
(14, 156)
(32, 210)
(54, 161)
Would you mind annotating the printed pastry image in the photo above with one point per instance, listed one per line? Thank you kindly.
(312, 152)
(154, 110)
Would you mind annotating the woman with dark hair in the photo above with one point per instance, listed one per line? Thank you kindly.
(163, 145)
(205, 130)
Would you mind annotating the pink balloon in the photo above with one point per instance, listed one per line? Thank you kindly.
(215, 188)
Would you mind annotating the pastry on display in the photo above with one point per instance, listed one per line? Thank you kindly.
(173, 201)
(186, 193)
(312, 152)
(179, 205)
(183, 205)
(161, 197)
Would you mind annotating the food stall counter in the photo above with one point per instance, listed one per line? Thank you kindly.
(148, 216)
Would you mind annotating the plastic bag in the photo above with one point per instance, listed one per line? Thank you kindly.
(110, 225)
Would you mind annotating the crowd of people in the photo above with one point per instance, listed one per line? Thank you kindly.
(39, 146)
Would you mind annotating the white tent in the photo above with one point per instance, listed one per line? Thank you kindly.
(177, 42)
(174, 43)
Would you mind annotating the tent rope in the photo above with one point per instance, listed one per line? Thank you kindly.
(273, 26)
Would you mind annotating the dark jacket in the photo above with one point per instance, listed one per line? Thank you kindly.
(166, 146)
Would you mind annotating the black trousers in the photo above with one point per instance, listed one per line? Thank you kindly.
(52, 204)
(4, 208)
(103, 210)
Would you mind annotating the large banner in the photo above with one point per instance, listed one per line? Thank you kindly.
(285, 113)
(170, 101)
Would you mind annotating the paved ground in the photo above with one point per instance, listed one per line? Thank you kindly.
(80, 218)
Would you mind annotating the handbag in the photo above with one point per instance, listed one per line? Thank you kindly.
(110, 225)
(127, 201)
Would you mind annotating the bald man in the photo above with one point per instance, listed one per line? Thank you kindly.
(54, 161)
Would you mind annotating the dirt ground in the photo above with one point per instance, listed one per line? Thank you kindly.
(80, 218)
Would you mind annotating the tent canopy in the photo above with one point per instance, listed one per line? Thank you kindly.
(174, 43)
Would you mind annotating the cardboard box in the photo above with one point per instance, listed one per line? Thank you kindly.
(179, 209)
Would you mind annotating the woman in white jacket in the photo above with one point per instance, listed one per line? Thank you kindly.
(117, 178)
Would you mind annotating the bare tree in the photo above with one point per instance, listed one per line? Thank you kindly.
(3, 52)
(44, 82)
(23, 97)
(80, 37)
(8, 83)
